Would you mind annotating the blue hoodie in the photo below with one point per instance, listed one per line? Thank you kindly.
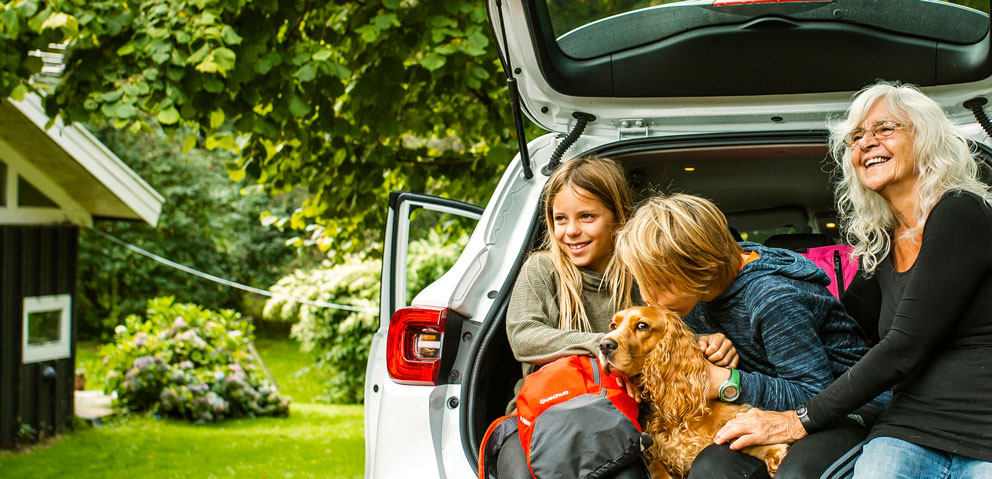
(792, 336)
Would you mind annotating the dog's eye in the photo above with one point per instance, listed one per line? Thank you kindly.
(613, 326)
(643, 326)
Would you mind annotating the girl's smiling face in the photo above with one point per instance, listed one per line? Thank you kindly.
(583, 228)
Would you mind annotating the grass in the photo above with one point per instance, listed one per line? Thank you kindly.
(316, 440)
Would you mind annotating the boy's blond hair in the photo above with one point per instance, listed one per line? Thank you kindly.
(678, 243)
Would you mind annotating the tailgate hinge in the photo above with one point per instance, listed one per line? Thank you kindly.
(632, 128)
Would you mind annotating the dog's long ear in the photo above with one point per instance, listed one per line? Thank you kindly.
(674, 374)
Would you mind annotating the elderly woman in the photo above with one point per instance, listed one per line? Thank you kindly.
(921, 222)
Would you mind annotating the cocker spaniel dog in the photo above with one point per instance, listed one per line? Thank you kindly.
(656, 351)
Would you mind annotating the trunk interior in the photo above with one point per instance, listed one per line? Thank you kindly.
(767, 185)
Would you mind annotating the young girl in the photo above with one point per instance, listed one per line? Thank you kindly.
(566, 294)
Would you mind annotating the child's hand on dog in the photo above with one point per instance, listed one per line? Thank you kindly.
(718, 350)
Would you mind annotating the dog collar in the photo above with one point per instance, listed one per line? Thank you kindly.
(730, 390)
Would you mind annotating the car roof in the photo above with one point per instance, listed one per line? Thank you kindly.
(707, 52)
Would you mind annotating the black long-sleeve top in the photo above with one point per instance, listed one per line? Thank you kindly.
(934, 322)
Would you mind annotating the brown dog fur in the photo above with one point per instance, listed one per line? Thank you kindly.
(659, 354)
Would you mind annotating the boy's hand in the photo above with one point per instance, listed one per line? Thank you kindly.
(718, 350)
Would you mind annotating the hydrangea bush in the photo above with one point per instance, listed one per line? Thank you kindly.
(188, 362)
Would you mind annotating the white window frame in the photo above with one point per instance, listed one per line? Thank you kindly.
(33, 353)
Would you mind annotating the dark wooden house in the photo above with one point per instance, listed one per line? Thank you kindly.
(52, 183)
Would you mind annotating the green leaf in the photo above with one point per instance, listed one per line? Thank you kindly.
(10, 20)
(36, 22)
(219, 60)
(267, 62)
(386, 20)
(297, 106)
(216, 118)
(169, 116)
(224, 58)
(127, 49)
(199, 55)
(19, 91)
(322, 55)
(229, 36)
(125, 111)
(236, 175)
(306, 73)
(433, 61)
(223, 141)
(369, 33)
(478, 40)
(212, 84)
(189, 144)
(63, 21)
(480, 73)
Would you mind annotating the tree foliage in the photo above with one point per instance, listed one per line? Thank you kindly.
(206, 223)
(351, 99)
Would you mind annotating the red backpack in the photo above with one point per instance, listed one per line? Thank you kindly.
(573, 421)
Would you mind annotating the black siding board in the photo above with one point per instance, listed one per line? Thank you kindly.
(27, 408)
(10, 346)
(36, 261)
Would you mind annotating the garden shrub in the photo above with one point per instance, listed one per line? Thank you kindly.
(342, 338)
(184, 361)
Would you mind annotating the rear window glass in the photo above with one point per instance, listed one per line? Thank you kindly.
(592, 28)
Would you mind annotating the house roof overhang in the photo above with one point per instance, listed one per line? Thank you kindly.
(77, 163)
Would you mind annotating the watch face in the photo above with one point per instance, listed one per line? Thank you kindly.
(730, 392)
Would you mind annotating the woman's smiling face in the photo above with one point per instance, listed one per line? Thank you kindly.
(886, 166)
(583, 228)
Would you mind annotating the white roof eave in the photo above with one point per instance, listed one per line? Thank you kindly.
(97, 159)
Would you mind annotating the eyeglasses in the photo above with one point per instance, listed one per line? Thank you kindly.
(879, 131)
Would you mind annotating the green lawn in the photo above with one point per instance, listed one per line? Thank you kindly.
(316, 440)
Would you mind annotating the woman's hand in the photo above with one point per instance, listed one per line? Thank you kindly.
(718, 350)
(757, 427)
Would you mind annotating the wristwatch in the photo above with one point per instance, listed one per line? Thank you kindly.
(730, 390)
(804, 419)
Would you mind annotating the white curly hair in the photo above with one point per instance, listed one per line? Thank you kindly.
(944, 162)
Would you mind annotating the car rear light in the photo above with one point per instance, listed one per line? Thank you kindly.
(413, 345)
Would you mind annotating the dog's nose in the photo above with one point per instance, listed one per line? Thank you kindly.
(607, 346)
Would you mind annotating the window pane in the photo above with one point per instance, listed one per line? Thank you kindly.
(436, 240)
(44, 327)
(592, 28)
(28, 195)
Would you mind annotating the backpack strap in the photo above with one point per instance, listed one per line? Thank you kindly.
(498, 431)
(839, 273)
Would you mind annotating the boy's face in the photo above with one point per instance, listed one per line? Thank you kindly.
(681, 302)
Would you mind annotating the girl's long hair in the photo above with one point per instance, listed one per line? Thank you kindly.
(944, 162)
(604, 179)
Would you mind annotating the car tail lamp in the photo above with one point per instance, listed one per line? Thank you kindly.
(413, 345)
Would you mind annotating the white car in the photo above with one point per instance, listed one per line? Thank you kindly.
(727, 99)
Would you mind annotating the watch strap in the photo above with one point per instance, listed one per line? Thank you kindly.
(804, 418)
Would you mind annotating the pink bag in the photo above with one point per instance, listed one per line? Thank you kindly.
(838, 262)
